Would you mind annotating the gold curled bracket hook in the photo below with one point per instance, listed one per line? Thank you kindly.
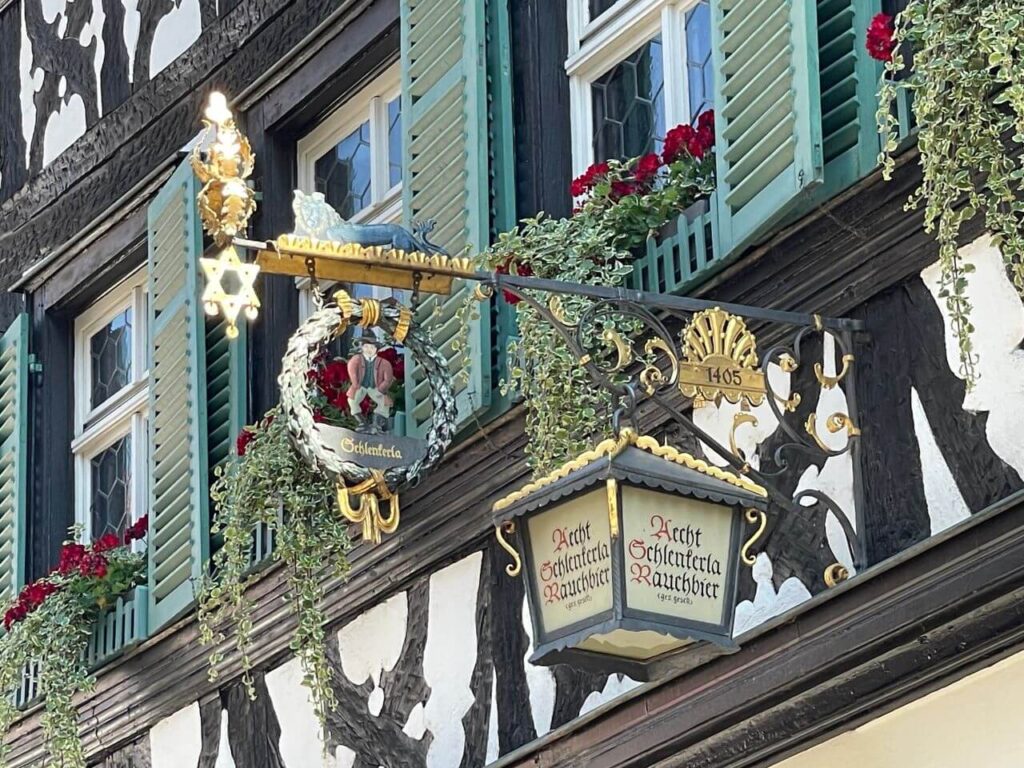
(753, 516)
(509, 527)
(370, 493)
(829, 382)
(835, 574)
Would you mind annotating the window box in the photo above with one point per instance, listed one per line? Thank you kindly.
(684, 254)
(116, 630)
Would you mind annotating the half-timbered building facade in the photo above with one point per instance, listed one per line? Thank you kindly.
(119, 398)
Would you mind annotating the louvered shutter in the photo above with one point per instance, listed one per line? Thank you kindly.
(768, 112)
(445, 177)
(178, 500)
(848, 85)
(226, 389)
(13, 455)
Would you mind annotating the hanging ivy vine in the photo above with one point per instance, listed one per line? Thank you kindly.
(621, 203)
(967, 84)
(47, 629)
(268, 490)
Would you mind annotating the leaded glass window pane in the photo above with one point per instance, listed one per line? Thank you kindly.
(597, 7)
(698, 59)
(110, 356)
(629, 105)
(111, 476)
(343, 173)
(394, 141)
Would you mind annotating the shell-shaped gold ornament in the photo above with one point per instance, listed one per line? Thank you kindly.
(715, 333)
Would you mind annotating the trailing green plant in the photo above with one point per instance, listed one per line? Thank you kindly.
(47, 629)
(267, 486)
(621, 204)
(967, 83)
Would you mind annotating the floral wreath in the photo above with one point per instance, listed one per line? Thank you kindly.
(308, 342)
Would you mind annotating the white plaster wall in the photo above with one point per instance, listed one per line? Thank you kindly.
(174, 35)
(449, 658)
(301, 742)
(371, 644)
(974, 722)
(946, 505)
(224, 757)
(768, 602)
(176, 741)
(998, 318)
(540, 681)
(64, 126)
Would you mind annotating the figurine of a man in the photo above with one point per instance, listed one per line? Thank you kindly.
(370, 375)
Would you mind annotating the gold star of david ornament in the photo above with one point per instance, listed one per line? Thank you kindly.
(217, 299)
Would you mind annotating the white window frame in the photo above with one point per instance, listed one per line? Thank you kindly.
(596, 46)
(370, 103)
(125, 413)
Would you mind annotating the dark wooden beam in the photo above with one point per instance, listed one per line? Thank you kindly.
(139, 137)
(540, 103)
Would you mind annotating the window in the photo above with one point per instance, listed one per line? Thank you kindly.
(354, 157)
(636, 68)
(111, 396)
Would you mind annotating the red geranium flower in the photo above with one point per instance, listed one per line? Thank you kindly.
(366, 406)
(70, 556)
(105, 542)
(647, 168)
(93, 564)
(339, 400)
(242, 441)
(523, 270)
(622, 188)
(880, 40)
(586, 181)
(676, 142)
(137, 530)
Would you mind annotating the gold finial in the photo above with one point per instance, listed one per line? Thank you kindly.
(225, 204)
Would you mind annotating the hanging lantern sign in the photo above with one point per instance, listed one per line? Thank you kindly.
(630, 552)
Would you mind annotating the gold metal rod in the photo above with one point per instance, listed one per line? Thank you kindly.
(271, 249)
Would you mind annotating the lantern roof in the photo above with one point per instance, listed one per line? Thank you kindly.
(638, 460)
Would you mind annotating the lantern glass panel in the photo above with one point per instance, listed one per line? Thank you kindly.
(571, 561)
(676, 555)
(636, 644)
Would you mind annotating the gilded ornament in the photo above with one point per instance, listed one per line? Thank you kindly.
(753, 516)
(652, 377)
(225, 201)
(835, 574)
(720, 360)
(829, 382)
(612, 447)
(216, 299)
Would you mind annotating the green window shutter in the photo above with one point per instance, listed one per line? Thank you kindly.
(178, 493)
(13, 455)
(445, 177)
(848, 85)
(226, 389)
(767, 110)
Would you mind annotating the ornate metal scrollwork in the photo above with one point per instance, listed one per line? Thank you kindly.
(628, 347)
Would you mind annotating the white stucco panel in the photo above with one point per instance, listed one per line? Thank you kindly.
(174, 35)
(998, 318)
(767, 602)
(449, 658)
(946, 505)
(301, 742)
(177, 741)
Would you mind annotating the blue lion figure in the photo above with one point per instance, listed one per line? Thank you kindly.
(314, 217)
